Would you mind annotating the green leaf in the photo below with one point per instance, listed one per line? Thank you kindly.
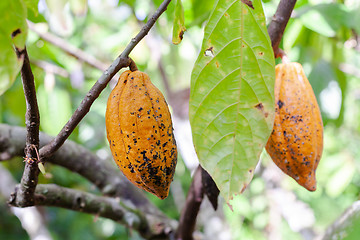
(33, 5)
(353, 19)
(179, 25)
(232, 99)
(131, 3)
(326, 19)
(320, 77)
(316, 22)
(12, 21)
(201, 10)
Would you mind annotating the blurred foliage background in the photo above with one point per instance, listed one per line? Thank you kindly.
(323, 35)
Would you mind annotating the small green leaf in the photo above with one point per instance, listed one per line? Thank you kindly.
(232, 94)
(13, 32)
(179, 26)
(41, 168)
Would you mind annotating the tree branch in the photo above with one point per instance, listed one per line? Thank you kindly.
(68, 48)
(101, 173)
(51, 68)
(122, 61)
(32, 119)
(56, 196)
(278, 24)
(192, 206)
(52, 195)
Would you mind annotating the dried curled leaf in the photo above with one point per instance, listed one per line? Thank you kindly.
(140, 133)
(296, 142)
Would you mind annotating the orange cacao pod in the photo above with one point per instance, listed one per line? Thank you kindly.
(296, 142)
(140, 133)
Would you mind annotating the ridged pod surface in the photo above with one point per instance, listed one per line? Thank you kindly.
(140, 133)
(296, 142)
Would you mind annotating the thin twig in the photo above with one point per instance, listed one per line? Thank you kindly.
(51, 68)
(192, 206)
(278, 24)
(121, 62)
(68, 48)
(25, 194)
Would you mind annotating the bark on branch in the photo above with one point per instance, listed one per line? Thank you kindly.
(278, 24)
(32, 119)
(107, 207)
(191, 209)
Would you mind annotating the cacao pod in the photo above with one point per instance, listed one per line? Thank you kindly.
(296, 141)
(140, 133)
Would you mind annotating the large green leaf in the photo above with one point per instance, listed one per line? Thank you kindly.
(12, 22)
(232, 99)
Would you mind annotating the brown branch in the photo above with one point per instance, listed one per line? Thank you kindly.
(56, 196)
(191, 209)
(278, 24)
(68, 48)
(122, 61)
(101, 173)
(52, 195)
(32, 119)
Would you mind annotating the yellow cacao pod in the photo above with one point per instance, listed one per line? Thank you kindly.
(296, 142)
(140, 133)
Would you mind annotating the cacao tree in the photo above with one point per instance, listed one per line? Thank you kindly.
(213, 62)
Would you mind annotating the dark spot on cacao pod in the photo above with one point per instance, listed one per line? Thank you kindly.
(280, 104)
